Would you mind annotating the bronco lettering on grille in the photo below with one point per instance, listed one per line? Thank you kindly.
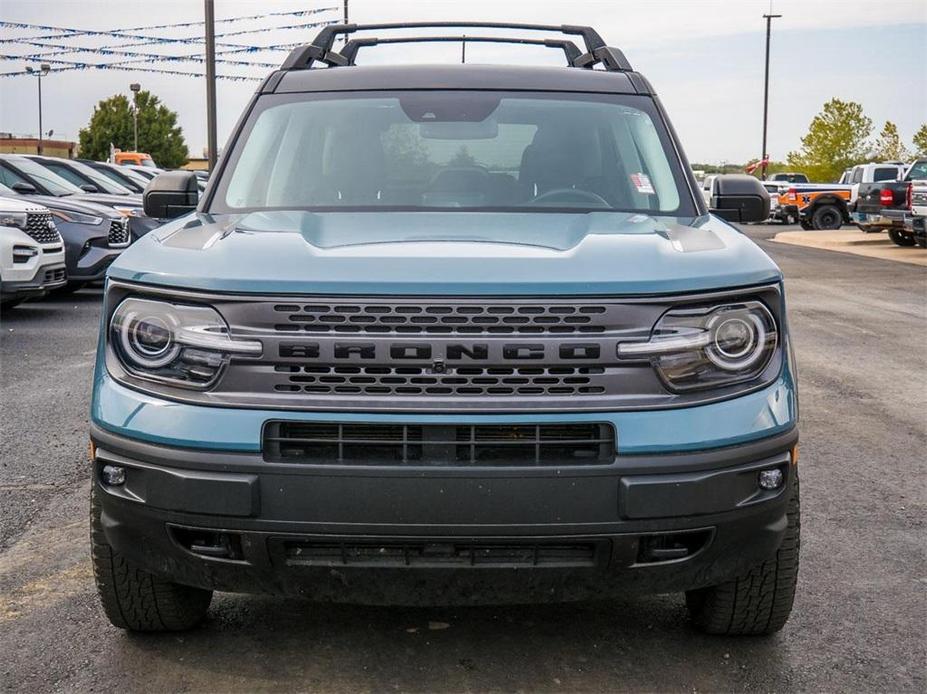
(455, 352)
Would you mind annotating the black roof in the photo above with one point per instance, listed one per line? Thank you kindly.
(469, 76)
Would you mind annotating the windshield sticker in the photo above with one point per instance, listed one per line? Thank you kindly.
(642, 183)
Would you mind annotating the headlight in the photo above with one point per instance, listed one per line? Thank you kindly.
(129, 211)
(178, 344)
(13, 219)
(77, 217)
(697, 348)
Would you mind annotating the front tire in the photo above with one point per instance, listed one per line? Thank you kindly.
(760, 601)
(134, 599)
(901, 238)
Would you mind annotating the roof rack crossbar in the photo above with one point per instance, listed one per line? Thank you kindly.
(322, 48)
(572, 53)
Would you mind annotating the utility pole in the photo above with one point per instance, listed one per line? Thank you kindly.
(135, 86)
(43, 70)
(463, 50)
(763, 154)
(210, 12)
(345, 12)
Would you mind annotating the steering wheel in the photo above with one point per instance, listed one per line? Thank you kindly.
(571, 195)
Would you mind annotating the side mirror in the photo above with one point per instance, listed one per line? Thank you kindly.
(23, 188)
(89, 188)
(171, 194)
(739, 198)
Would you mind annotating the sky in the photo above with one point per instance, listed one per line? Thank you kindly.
(704, 58)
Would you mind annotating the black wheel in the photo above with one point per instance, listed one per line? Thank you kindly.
(901, 238)
(827, 217)
(805, 224)
(760, 601)
(134, 599)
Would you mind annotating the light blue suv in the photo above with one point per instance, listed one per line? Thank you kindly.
(459, 334)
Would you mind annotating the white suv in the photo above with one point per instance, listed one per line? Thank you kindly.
(31, 252)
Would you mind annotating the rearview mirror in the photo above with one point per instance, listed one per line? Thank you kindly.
(23, 188)
(739, 198)
(171, 194)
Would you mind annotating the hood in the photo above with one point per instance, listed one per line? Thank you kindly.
(69, 204)
(8, 203)
(109, 200)
(446, 253)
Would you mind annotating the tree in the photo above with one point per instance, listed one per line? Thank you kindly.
(158, 132)
(920, 141)
(889, 146)
(837, 139)
(462, 157)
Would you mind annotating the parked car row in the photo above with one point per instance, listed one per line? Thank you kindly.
(64, 221)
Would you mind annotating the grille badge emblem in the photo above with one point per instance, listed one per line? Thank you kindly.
(438, 366)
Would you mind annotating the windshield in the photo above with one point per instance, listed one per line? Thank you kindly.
(75, 172)
(49, 180)
(918, 171)
(455, 150)
(123, 179)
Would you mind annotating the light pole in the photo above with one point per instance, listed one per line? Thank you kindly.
(763, 158)
(210, 17)
(40, 73)
(135, 86)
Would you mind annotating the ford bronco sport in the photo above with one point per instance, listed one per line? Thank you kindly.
(456, 334)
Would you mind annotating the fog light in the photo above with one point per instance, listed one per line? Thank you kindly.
(771, 479)
(113, 475)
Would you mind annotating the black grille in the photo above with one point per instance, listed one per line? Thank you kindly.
(118, 232)
(40, 227)
(55, 275)
(441, 319)
(323, 443)
(459, 381)
(418, 553)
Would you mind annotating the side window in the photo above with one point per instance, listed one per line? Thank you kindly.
(885, 173)
(67, 174)
(858, 174)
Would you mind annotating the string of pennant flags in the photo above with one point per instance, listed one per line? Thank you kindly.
(55, 42)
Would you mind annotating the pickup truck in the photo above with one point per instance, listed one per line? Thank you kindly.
(889, 205)
(447, 333)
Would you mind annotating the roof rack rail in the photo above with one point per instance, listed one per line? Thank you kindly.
(322, 48)
(572, 53)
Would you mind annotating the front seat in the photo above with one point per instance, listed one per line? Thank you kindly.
(355, 173)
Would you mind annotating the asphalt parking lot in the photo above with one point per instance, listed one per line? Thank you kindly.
(860, 330)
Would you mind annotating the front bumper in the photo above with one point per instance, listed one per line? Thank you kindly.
(645, 523)
(45, 278)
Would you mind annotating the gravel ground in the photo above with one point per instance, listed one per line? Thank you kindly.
(860, 331)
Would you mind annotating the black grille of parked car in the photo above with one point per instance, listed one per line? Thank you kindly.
(55, 275)
(460, 554)
(119, 232)
(323, 443)
(40, 227)
(324, 379)
(441, 319)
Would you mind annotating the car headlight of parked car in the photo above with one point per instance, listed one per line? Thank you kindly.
(182, 345)
(129, 211)
(13, 219)
(77, 217)
(709, 347)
